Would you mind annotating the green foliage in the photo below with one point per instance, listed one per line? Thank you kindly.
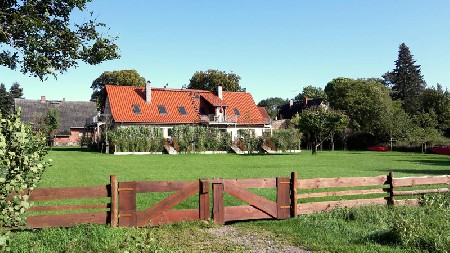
(21, 167)
(51, 121)
(41, 39)
(272, 104)
(248, 140)
(320, 124)
(137, 139)
(119, 77)
(16, 91)
(426, 228)
(436, 100)
(4, 241)
(6, 101)
(406, 81)
(366, 103)
(311, 92)
(285, 139)
(189, 139)
(210, 79)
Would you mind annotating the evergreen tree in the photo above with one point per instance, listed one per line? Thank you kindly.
(406, 81)
(5, 101)
(16, 91)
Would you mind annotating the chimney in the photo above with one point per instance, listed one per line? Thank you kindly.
(42, 99)
(219, 91)
(305, 101)
(64, 99)
(291, 103)
(148, 92)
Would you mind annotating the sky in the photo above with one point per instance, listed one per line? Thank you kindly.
(276, 47)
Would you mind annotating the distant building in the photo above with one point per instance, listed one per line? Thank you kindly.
(287, 111)
(72, 116)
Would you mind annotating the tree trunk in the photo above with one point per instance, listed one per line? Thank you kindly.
(332, 142)
(314, 148)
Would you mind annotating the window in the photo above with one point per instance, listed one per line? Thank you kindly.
(197, 96)
(236, 111)
(136, 109)
(182, 110)
(162, 110)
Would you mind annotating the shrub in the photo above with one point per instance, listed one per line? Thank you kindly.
(198, 138)
(137, 139)
(21, 167)
(248, 140)
(286, 139)
(426, 228)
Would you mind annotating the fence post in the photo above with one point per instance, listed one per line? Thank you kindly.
(218, 207)
(204, 199)
(283, 198)
(114, 208)
(294, 203)
(391, 188)
(127, 204)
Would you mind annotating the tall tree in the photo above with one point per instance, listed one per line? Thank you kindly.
(437, 100)
(41, 39)
(272, 104)
(119, 77)
(364, 101)
(319, 124)
(406, 81)
(311, 92)
(210, 79)
(16, 91)
(5, 101)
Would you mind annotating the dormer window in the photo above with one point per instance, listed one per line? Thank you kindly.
(237, 112)
(162, 110)
(182, 110)
(136, 109)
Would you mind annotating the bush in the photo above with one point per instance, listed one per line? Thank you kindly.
(287, 139)
(21, 167)
(426, 228)
(198, 138)
(248, 140)
(137, 139)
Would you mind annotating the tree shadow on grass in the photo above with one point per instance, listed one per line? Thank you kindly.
(70, 149)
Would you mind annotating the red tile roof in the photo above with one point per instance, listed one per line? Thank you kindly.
(122, 99)
(213, 99)
(263, 112)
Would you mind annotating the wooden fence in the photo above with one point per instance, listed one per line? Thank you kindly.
(294, 196)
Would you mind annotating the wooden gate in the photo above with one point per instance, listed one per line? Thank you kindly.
(259, 208)
(161, 212)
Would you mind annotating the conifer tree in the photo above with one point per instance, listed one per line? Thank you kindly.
(406, 81)
(5, 101)
(16, 91)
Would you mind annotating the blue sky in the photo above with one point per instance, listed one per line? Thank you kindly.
(277, 47)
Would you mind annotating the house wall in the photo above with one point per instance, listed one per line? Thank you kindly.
(73, 139)
(257, 130)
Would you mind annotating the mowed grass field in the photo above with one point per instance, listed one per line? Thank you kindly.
(74, 167)
(369, 229)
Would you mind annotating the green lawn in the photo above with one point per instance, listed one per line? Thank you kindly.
(361, 230)
(72, 167)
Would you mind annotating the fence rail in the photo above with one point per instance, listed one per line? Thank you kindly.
(294, 196)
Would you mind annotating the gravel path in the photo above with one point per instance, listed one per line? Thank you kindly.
(254, 241)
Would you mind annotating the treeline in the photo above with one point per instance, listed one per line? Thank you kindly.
(397, 110)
